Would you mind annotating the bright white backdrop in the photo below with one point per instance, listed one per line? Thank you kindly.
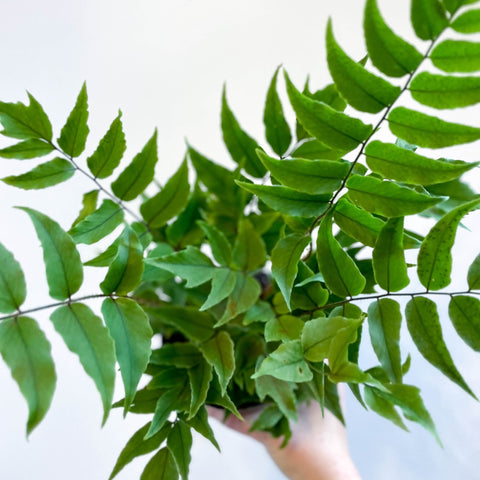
(164, 63)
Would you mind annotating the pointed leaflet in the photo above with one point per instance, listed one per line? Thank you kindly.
(430, 132)
(109, 152)
(170, 201)
(25, 121)
(179, 443)
(387, 198)
(161, 467)
(434, 263)
(98, 224)
(280, 392)
(223, 283)
(190, 264)
(131, 331)
(89, 205)
(384, 322)
(285, 257)
(314, 149)
(428, 18)
(45, 175)
(85, 335)
(388, 52)
(221, 248)
(287, 363)
(328, 125)
(426, 332)
(277, 130)
(288, 201)
(138, 175)
(362, 90)
(126, 270)
(467, 22)
(314, 177)
(73, 136)
(26, 351)
(249, 252)
(399, 164)
(341, 274)
(28, 149)
(456, 56)
(465, 315)
(473, 277)
(200, 376)
(441, 91)
(383, 407)
(62, 260)
(13, 289)
(200, 423)
(388, 257)
(240, 145)
(219, 353)
(283, 328)
(137, 446)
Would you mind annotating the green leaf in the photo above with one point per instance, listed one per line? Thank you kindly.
(73, 136)
(170, 201)
(126, 270)
(109, 152)
(388, 52)
(62, 260)
(318, 334)
(314, 149)
(277, 130)
(139, 173)
(249, 252)
(440, 91)
(398, 164)
(428, 18)
(181, 355)
(284, 328)
(28, 149)
(161, 467)
(84, 334)
(473, 276)
(200, 423)
(98, 224)
(200, 377)
(429, 132)
(45, 175)
(131, 331)
(456, 56)
(384, 322)
(387, 198)
(435, 258)
(286, 363)
(240, 145)
(13, 289)
(453, 5)
(307, 176)
(341, 274)
(190, 264)
(362, 90)
(280, 392)
(219, 353)
(25, 122)
(426, 332)
(26, 351)
(464, 312)
(388, 257)
(179, 442)
(221, 248)
(467, 22)
(223, 283)
(89, 205)
(285, 257)
(288, 201)
(328, 125)
(260, 312)
(245, 294)
(383, 407)
(138, 446)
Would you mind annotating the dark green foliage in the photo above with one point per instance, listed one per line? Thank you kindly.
(251, 276)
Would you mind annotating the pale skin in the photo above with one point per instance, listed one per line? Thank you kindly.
(318, 449)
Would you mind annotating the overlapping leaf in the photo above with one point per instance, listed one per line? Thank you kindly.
(467, 22)
(428, 18)
(13, 289)
(27, 149)
(456, 56)
(464, 312)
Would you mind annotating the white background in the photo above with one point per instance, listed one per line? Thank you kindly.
(164, 63)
